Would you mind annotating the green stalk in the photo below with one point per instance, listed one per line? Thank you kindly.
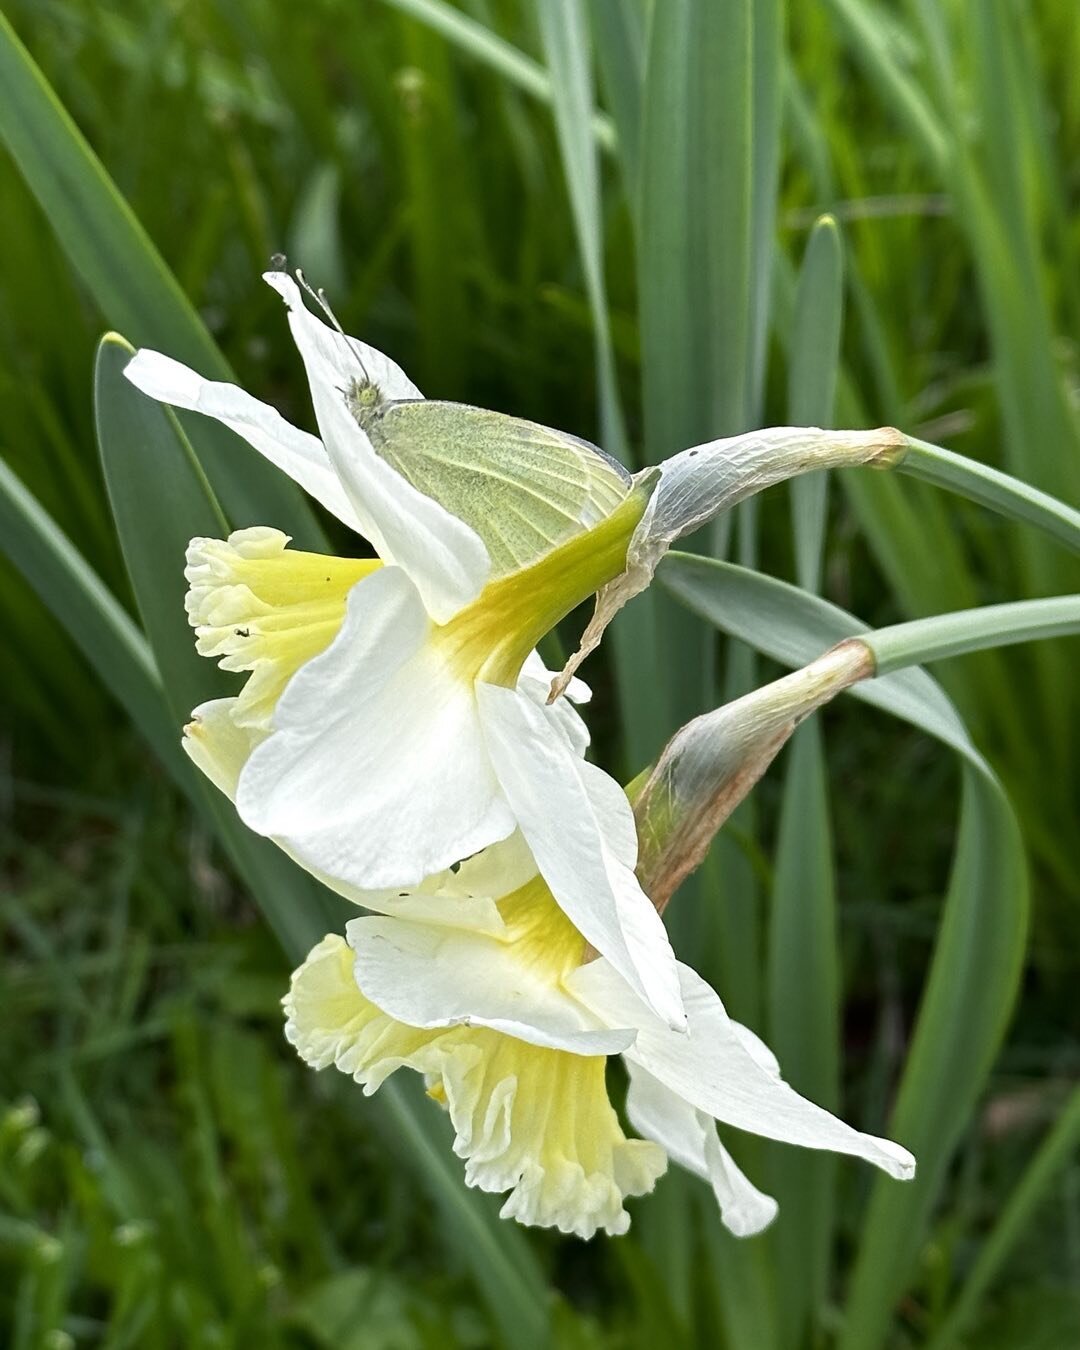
(972, 630)
(993, 489)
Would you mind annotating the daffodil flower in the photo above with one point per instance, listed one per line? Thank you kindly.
(390, 725)
(494, 1001)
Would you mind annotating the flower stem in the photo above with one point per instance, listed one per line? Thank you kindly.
(971, 630)
(992, 488)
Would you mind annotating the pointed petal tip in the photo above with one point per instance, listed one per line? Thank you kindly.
(678, 1021)
(901, 1164)
(287, 288)
(162, 378)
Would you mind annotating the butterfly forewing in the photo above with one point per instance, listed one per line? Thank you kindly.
(523, 488)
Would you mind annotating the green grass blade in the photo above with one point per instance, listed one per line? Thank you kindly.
(767, 99)
(869, 38)
(968, 1000)
(803, 970)
(1056, 1152)
(95, 621)
(711, 143)
(126, 276)
(804, 1005)
(979, 951)
(564, 28)
(479, 42)
(620, 52)
(722, 162)
(813, 359)
(988, 179)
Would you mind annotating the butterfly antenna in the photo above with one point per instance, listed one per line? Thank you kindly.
(319, 296)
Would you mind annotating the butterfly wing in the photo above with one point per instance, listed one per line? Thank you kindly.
(524, 488)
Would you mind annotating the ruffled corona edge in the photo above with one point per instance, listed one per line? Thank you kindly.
(529, 1120)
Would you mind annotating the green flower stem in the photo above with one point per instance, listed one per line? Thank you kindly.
(992, 488)
(971, 630)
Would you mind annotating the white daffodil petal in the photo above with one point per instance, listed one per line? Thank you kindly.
(348, 354)
(613, 813)
(477, 914)
(432, 977)
(542, 780)
(445, 558)
(744, 1210)
(494, 871)
(536, 673)
(295, 452)
(376, 772)
(712, 1068)
(689, 1136)
(216, 745)
(535, 682)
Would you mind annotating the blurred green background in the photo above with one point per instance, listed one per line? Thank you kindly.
(169, 1174)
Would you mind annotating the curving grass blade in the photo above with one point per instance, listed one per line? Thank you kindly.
(803, 962)
(127, 277)
(93, 618)
(564, 27)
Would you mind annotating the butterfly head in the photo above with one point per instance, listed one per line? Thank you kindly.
(364, 398)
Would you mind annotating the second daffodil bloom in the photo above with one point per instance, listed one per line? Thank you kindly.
(394, 721)
(494, 1002)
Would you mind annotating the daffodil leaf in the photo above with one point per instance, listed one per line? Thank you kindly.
(126, 276)
(93, 618)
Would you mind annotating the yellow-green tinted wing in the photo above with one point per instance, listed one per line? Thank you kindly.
(523, 488)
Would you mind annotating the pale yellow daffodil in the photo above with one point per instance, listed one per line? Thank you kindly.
(495, 1002)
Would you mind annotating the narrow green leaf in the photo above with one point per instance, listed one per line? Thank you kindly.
(803, 975)
(127, 277)
(95, 621)
(479, 42)
(987, 177)
(565, 31)
(812, 374)
(805, 1001)
(696, 293)
(966, 1005)
(767, 98)
(868, 37)
(620, 51)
